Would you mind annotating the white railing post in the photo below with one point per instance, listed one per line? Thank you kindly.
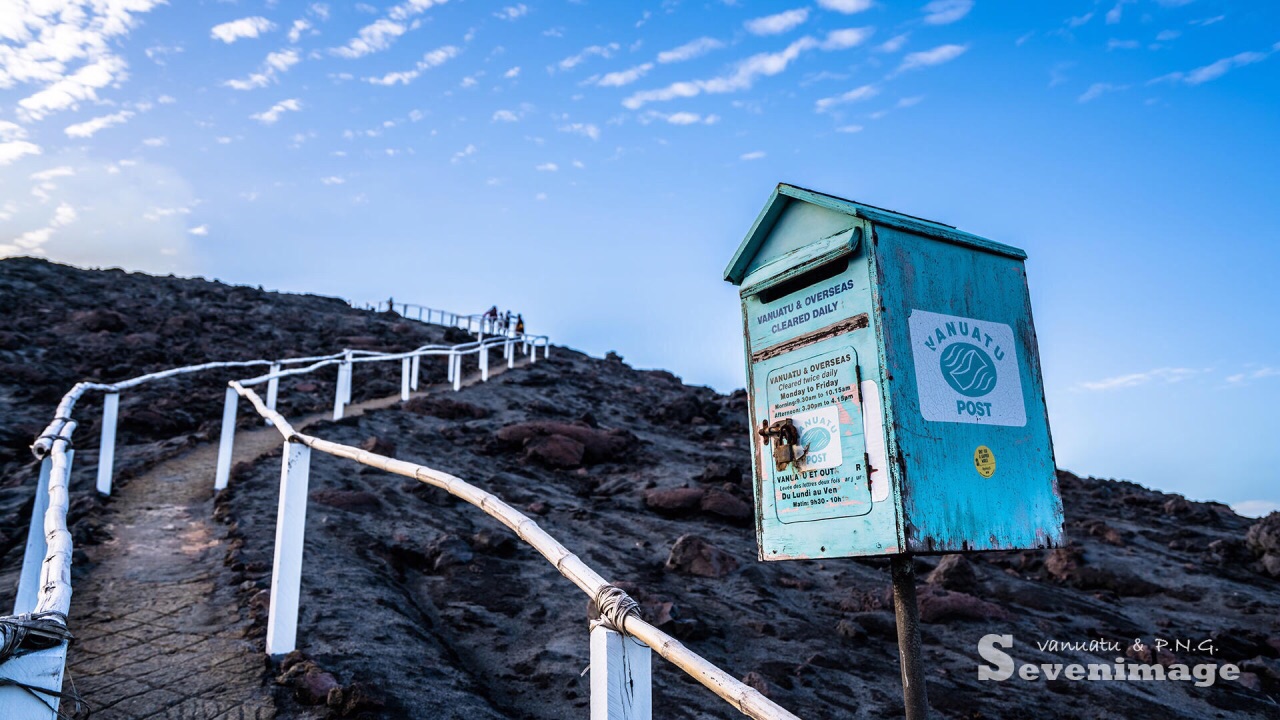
(621, 673)
(533, 352)
(273, 389)
(546, 349)
(415, 372)
(286, 567)
(484, 363)
(511, 353)
(339, 391)
(227, 440)
(346, 387)
(457, 371)
(449, 372)
(107, 447)
(406, 370)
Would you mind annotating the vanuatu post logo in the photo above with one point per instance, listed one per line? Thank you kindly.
(966, 370)
(820, 436)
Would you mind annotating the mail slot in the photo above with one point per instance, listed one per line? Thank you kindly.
(897, 404)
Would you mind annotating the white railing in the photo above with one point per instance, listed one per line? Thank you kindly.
(620, 641)
(479, 323)
(31, 682)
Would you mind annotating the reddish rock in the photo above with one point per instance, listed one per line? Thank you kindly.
(732, 507)
(538, 507)
(674, 500)
(556, 450)
(693, 555)
(598, 445)
(314, 686)
(379, 446)
(940, 606)
(954, 572)
(756, 681)
(1263, 540)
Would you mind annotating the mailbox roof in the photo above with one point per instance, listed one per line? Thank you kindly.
(784, 194)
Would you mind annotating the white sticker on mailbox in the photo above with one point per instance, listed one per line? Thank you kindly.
(966, 370)
(820, 435)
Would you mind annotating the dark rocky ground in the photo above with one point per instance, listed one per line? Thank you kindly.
(416, 605)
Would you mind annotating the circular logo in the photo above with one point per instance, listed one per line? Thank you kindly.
(984, 461)
(968, 369)
(816, 438)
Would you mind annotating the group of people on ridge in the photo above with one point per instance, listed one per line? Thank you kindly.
(500, 323)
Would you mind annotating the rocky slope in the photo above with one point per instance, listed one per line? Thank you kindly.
(415, 605)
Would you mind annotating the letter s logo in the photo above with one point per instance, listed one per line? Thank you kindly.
(1003, 664)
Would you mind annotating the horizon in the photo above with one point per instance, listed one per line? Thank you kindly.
(595, 166)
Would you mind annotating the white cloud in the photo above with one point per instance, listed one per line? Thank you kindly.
(624, 77)
(31, 242)
(846, 38)
(755, 155)
(199, 230)
(945, 12)
(156, 141)
(779, 23)
(1097, 90)
(166, 100)
(276, 63)
(1114, 44)
(743, 76)
(1258, 374)
(372, 38)
(65, 48)
(864, 92)
(690, 50)
(512, 12)
(1255, 508)
(928, 58)
(299, 27)
(848, 7)
(332, 180)
(269, 117)
(604, 51)
(849, 129)
(249, 27)
(67, 92)
(1215, 70)
(53, 173)
(433, 59)
(680, 118)
(547, 167)
(505, 116)
(96, 217)
(467, 151)
(1075, 22)
(584, 129)
(1113, 15)
(512, 73)
(12, 146)
(1165, 375)
(893, 44)
(89, 127)
(408, 9)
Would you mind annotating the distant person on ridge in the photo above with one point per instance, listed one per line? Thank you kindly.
(519, 324)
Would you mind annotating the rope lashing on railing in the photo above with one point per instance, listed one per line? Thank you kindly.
(615, 606)
(624, 614)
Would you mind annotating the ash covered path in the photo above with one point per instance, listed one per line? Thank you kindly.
(160, 628)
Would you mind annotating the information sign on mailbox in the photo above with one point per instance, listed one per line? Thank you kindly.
(896, 398)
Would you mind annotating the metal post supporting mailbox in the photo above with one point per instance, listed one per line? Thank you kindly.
(867, 330)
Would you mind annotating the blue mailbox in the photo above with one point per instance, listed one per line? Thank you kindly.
(896, 397)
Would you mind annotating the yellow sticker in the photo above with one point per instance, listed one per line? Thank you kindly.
(985, 461)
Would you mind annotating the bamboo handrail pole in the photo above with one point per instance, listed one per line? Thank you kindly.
(746, 699)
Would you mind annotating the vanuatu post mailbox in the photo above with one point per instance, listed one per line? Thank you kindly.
(896, 397)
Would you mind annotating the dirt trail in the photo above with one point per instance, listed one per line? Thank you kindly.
(160, 631)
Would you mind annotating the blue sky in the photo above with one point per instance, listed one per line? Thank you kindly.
(595, 164)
